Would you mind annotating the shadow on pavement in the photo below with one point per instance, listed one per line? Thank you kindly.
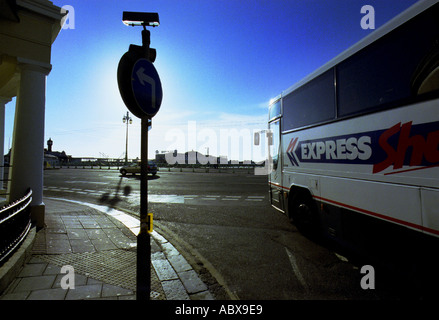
(112, 200)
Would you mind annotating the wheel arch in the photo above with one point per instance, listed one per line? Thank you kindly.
(302, 194)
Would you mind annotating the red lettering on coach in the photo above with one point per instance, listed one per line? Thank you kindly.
(420, 147)
(391, 153)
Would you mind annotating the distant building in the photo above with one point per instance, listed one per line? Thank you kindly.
(189, 157)
(55, 158)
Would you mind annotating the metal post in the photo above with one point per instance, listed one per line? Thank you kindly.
(143, 239)
(126, 144)
(128, 120)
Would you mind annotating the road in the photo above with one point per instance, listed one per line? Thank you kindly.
(223, 223)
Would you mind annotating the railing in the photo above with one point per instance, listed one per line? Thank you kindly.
(15, 223)
(4, 180)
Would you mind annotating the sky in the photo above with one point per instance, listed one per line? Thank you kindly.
(220, 62)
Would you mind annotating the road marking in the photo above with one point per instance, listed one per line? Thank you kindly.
(91, 182)
(342, 258)
(163, 198)
(296, 270)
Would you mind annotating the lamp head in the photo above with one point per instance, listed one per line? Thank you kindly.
(148, 19)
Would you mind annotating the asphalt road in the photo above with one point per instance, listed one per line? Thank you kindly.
(223, 222)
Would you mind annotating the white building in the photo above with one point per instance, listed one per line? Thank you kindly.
(27, 30)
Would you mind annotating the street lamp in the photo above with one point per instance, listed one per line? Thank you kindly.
(128, 120)
(150, 19)
(141, 91)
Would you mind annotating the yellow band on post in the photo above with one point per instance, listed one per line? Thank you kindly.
(150, 222)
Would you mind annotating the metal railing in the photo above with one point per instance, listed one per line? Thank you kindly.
(4, 180)
(15, 223)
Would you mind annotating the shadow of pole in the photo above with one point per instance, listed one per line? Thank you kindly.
(111, 202)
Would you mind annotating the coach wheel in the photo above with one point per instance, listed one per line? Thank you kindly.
(304, 214)
(123, 172)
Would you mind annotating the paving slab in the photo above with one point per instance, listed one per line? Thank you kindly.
(100, 246)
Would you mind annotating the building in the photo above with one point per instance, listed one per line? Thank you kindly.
(55, 158)
(28, 29)
(188, 158)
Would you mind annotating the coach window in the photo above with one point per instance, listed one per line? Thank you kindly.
(426, 76)
(311, 103)
(274, 110)
(274, 147)
(430, 83)
(380, 76)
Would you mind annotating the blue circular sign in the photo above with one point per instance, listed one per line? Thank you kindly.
(147, 87)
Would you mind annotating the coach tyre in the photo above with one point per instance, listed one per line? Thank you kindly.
(304, 213)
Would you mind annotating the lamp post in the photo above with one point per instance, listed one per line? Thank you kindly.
(128, 120)
(141, 90)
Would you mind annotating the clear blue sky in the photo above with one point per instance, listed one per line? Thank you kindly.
(220, 62)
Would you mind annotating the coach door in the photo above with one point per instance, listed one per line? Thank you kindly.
(275, 165)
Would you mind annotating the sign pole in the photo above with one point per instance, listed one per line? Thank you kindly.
(143, 239)
(141, 90)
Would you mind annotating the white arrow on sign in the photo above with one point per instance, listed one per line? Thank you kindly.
(145, 78)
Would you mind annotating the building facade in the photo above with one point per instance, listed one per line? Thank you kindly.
(28, 29)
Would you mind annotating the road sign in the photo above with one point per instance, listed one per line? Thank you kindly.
(147, 87)
(141, 91)
(139, 83)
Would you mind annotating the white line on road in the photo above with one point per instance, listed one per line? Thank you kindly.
(162, 198)
(296, 269)
(91, 182)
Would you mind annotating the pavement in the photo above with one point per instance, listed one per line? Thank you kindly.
(88, 252)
